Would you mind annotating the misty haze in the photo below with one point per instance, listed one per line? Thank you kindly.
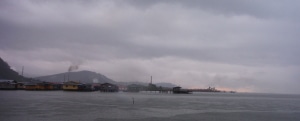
(149, 60)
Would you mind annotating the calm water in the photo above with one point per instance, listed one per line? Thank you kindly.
(96, 106)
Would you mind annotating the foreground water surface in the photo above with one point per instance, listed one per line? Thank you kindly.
(95, 106)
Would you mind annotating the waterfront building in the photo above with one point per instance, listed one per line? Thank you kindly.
(71, 86)
(7, 84)
(108, 87)
(42, 86)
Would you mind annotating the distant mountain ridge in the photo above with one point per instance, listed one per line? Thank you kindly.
(92, 77)
(81, 76)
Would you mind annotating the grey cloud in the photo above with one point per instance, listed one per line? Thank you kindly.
(248, 34)
(122, 39)
(263, 9)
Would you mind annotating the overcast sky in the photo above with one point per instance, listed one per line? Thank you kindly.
(250, 46)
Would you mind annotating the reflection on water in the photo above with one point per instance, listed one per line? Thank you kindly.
(77, 106)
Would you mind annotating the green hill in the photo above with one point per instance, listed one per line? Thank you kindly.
(7, 73)
(82, 76)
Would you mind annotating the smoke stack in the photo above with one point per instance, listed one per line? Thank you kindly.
(73, 66)
(22, 73)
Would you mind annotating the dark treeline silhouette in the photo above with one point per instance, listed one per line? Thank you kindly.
(7, 73)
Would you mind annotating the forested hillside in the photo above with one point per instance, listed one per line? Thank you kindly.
(7, 73)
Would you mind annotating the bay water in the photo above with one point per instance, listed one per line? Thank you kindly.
(146, 106)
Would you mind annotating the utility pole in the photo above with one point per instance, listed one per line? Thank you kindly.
(22, 70)
(68, 75)
(22, 73)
